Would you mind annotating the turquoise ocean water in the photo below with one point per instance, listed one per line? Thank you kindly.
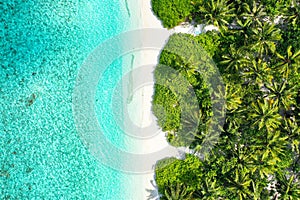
(43, 43)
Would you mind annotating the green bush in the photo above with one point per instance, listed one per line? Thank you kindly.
(168, 103)
(173, 171)
(172, 12)
(168, 115)
(260, 138)
(275, 7)
(209, 41)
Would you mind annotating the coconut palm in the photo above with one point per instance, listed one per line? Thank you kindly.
(288, 186)
(273, 146)
(191, 120)
(282, 93)
(288, 63)
(177, 192)
(264, 114)
(256, 72)
(253, 13)
(188, 69)
(234, 121)
(235, 60)
(244, 29)
(239, 185)
(241, 155)
(233, 97)
(210, 190)
(192, 128)
(238, 5)
(216, 12)
(292, 13)
(291, 128)
(259, 190)
(264, 38)
(269, 148)
(260, 167)
(251, 16)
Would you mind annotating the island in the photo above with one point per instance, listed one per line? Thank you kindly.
(256, 49)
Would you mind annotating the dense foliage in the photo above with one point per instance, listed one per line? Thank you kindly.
(257, 154)
(179, 54)
(181, 10)
(171, 172)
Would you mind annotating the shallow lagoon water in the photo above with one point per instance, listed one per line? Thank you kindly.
(43, 44)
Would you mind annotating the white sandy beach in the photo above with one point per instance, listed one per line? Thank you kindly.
(139, 109)
(149, 57)
(140, 106)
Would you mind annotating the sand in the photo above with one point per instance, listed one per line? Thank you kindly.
(148, 20)
(140, 114)
(139, 108)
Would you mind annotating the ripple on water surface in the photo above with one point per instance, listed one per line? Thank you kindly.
(42, 45)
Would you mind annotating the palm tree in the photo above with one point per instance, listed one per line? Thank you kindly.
(239, 185)
(288, 63)
(264, 38)
(191, 120)
(272, 147)
(291, 128)
(250, 17)
(210, 190)
(233, 97)
(234, 121)
(235, 60)
(177, 192)
(260, 169)
(256, 72)
(216, 12)
(241, 155)
(265, 114)
(259, 190)
(253, 13)
(282, 93)
(244, 28)
(188, 70)
(288, 186)
(192, 128)
(292, 13)
(268, 150)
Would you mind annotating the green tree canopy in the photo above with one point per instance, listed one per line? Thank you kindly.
(172, 12)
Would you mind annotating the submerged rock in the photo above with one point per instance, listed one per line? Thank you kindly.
(4, 173)
(31, 99)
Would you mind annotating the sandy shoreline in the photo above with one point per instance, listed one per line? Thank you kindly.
(148, 20)
(143, 185)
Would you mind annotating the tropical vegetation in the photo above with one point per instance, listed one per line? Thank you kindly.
(256, 154)
(181, 10)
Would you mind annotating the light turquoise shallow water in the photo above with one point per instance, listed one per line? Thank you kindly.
(43, 43)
